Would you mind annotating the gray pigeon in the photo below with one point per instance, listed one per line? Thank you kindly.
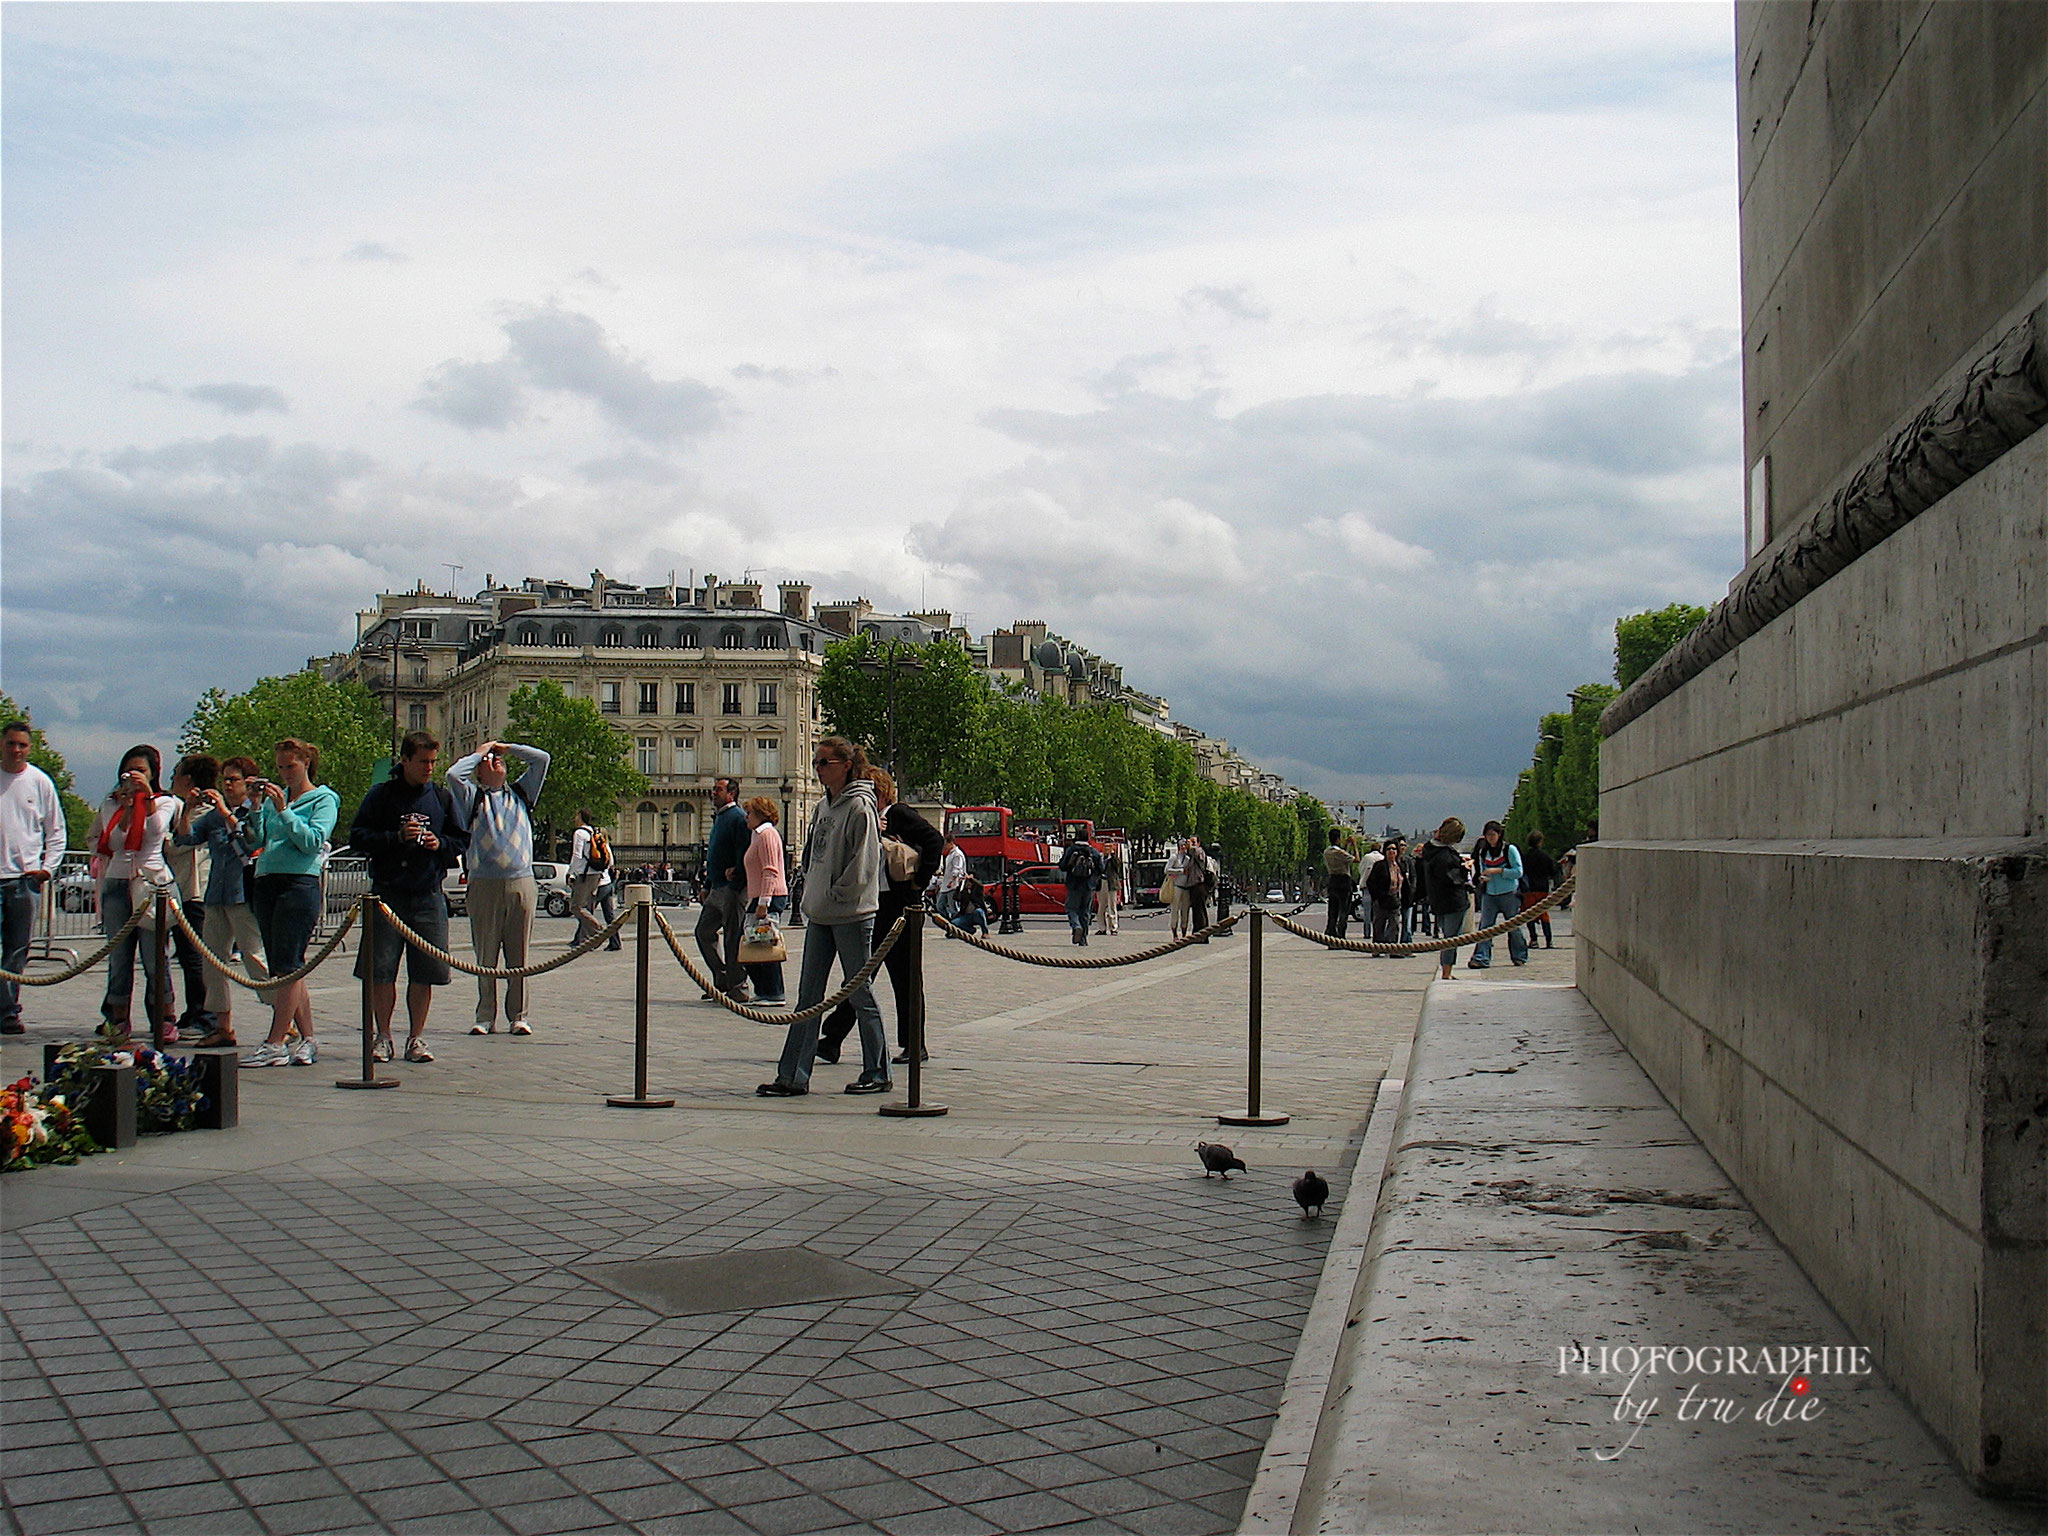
(1311, 1189)
(1217, 1158)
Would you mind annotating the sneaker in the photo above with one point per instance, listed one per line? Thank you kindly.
(483, 1029)
(416, 1049)
(780, 1090)
(521, 1027)
(1474, 965)
(383, 1050)
(869, 1085)
(170, 1034)
(267, 1055)
(13, 1027)
(304, 1052)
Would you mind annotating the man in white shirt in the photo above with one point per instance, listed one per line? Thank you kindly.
(952, 876)
(31, 848)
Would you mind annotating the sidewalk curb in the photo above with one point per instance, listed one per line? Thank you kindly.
(1275, 1495)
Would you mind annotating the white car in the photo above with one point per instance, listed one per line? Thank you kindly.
(550, 889)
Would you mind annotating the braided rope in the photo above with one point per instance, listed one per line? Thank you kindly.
(502, 972)
(80, 967)
(1427, 946)
(1093, 963)
(242, 978)
(860, 978)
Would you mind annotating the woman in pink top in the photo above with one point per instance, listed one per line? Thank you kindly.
(765, 883)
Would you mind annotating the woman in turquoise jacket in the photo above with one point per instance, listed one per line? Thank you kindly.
(1497, 870)
(294, 819)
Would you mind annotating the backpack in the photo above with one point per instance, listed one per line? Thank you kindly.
(599, 859)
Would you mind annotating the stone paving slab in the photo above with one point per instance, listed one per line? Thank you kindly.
(1514, 1228)
(363, 1312)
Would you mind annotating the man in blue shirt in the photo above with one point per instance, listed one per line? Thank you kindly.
(725, 890)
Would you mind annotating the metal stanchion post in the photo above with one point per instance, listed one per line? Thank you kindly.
(641, 899)
(1253, 1115)
(915, 1107)
(160, 971)
(368, 950)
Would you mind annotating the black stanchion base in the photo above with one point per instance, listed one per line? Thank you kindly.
(627, 1101)
(911, 1111)
(366, 1082)
(1264, 1117)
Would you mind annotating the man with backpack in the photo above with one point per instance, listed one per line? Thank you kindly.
(1082, 867)
(590, 861)
(498, 815)
(408, 827)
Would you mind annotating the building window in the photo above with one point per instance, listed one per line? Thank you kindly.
(768, 757)
(731, 756)
(528, 634)
(686, 698)
(565, 634)
(608, 698)
(419, 673)
(732, 639)
(415, 717)
(765, 700)
(650, 827)
(478, 628)
(687, 639)
(768, 640)
(650, 698)
(686, 755)
(415, 629)
(729, 699)
(611, 637)
(649, 759)
(649, 638)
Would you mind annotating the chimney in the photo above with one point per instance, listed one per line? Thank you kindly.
(796, 599)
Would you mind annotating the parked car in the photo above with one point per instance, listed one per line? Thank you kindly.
(455, 886)
(1276, 894)
(77, 891)
(551, 888)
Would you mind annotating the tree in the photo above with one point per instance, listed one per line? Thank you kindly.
(344, 720)
(78, 811)
(591, 763)
(1008, 761)
(1314, 818)
(1559, 794)
(939, 702)
(1640, 638)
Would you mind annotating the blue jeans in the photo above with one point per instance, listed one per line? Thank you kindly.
(1498, 907)
(850, 943)
(1448, 926)
(117, 905)
(18, 902)
(1080, 908)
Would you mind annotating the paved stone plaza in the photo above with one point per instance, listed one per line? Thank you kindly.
(376, 1311)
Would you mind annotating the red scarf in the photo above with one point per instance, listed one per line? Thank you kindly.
(138, 818)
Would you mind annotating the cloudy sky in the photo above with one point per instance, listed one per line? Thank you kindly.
(1341, 370)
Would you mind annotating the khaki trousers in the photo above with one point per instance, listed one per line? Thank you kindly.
(235, 924)
(500, 918)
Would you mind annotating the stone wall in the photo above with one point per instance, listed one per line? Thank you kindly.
(1818, 915)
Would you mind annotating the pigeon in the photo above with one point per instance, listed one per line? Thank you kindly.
(1311, 1189)
(1217, 1158)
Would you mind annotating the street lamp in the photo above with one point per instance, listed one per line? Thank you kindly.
(793, 880)
(886, 666)
(397, 649)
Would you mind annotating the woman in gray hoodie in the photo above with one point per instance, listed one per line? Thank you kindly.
(842, 889)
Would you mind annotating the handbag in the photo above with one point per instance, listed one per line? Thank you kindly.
(899, 858)
(761, 941)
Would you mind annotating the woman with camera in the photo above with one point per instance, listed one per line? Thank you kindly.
(127, 839)
(292, 822)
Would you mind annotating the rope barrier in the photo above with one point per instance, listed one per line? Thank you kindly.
(1092, 963)
(1428, 946)
(80, 967)
(242, 978)
(860, 978)
(501, 972)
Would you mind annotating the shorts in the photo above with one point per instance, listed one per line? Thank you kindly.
(426, 914)
(287, 912)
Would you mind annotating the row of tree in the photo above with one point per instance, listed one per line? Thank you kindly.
(1558, 794)
(980, 744)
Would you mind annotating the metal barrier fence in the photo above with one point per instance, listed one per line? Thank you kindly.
(70, 918)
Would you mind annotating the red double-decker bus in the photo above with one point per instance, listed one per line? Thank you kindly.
(990, 835)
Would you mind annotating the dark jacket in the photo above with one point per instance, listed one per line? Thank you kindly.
(1539, 869)
(1445, 883)
(398, 866)
(1082, 866)
(1379, 885)
(730, 836)
(905, 825)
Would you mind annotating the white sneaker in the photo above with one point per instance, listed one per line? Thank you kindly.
(383, 1050)
(483, 1029)
(267, 1055)
(304, 1052)
(521, 1027)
